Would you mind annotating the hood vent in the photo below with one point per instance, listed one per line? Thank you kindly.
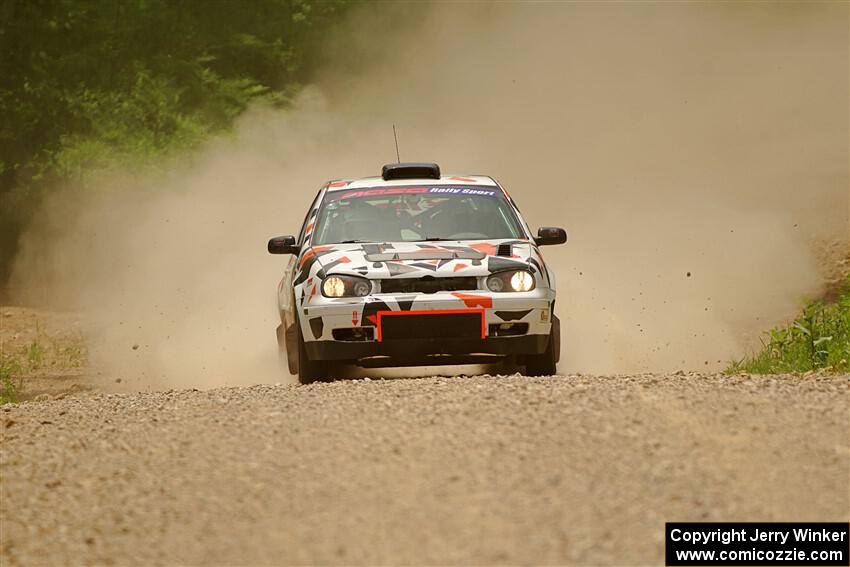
(505, 249)
(426, 254)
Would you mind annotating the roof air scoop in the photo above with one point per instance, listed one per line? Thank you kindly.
(410, 171)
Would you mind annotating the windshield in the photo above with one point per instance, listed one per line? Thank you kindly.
(415, 213)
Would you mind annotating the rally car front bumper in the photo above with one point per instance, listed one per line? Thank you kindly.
(444, 328)
(401, 352)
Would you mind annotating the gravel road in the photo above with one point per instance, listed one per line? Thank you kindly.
(481, 470)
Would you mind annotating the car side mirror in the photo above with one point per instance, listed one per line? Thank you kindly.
(548, 235)
(283, 245)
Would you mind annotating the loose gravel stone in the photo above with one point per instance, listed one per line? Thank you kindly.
(488, 469)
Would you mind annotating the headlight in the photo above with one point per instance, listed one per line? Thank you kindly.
(517, 280)
(346, 286)
(522, 281)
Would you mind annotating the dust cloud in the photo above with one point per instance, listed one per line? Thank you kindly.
(695, 152)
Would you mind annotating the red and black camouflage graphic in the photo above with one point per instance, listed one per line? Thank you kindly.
(473, 261)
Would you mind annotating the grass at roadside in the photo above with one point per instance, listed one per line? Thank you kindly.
(43, 354)
(819, 339)
(10, 379)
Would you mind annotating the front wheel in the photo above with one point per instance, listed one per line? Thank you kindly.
(309, 371)
(287, 353)
(544, 364)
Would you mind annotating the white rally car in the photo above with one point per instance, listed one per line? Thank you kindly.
(415, 268)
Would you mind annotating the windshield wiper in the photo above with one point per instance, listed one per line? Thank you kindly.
(354, 241)
(433, 239)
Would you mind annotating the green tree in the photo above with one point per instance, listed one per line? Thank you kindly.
(93, 84)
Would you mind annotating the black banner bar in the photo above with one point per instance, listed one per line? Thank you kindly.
(745, 544)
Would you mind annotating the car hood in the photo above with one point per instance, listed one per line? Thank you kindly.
(418, 259)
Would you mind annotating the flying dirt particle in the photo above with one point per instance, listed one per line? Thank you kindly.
(136, 347)
(118, 380)
(688, 274)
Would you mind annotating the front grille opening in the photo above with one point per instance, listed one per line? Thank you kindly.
(431, 325)
(508, 329)
(428, 284)
(354, 334)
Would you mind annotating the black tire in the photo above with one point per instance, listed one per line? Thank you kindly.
(309, 371)
(544, 364)
(291, 341)
(287, 353)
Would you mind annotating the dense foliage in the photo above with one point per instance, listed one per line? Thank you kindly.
(819, 339)
(93, 84)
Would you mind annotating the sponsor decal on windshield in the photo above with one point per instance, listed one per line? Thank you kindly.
(440, 190)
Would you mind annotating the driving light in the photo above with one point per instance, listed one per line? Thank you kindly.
(512, 280)
(333, 287)
(522, 281)
(346, 286)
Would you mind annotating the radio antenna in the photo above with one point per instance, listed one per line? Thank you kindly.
(395, 137)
